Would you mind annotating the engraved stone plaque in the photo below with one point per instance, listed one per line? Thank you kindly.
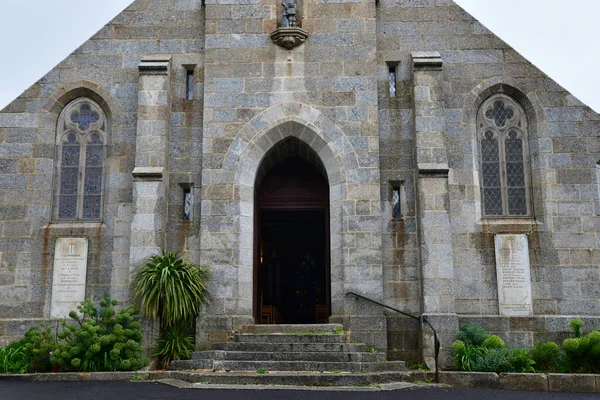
(70, 270)
(514, 275)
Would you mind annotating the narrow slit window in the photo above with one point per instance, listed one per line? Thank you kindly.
(392, 80)
(187, 204)
(396, 203)
(189, 84)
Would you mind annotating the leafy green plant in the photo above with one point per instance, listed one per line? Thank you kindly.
(493, 342)
(136, 377)
(545, 355)
(170, 289)
(520, 360)
(576, 325)
(492, 360)
(262, 371)
(100, 339)
(421, 366)
(338, 330)
(466, 356)
(472, 334)
(372, 350)
(39, 343)
(175, 343)
(582, 354)
(12, 359)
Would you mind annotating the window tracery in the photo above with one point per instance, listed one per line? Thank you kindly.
(502, 131)
(81, 139)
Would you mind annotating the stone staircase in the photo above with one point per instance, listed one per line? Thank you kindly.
(290, 354)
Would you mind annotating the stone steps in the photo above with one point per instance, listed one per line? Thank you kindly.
(305, 328)
(231, 365)
(318, 356)
(290, 355)
(288, 338)
(291, 378)
(292, 347)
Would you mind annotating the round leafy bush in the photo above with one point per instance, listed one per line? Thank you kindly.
(493, 342)
(576, 325)
(545, 355)
(520, 360)
(101, 339)
(594, 338)
(459, 347)
(571, 346)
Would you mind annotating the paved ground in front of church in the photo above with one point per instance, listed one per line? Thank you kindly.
(16, 390)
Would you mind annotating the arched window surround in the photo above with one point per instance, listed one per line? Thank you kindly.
(505, 177)
(81, 138)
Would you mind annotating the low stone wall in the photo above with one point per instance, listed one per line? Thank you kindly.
(527, 331)
(587, 383)
(584, 383)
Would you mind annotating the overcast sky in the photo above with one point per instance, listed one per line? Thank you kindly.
(560, 37)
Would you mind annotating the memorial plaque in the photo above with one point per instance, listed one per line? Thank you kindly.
(514, 275)
(70, 270)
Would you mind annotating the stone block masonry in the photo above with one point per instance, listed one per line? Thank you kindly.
(252, 102)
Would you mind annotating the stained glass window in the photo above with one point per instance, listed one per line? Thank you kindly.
(502, 127)
(80, 138)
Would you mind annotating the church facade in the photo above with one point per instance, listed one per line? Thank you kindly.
(395, 149)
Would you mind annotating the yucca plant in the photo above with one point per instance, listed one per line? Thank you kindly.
(175, 343)
(171, 290)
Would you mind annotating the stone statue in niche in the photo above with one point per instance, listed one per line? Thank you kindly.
(288, 35)
(289, 14)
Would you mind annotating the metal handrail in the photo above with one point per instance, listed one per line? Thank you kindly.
(421, 319)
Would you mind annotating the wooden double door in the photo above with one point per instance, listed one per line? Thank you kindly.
(291, 272)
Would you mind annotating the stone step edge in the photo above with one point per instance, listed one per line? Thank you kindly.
(290, 347)
(371, 388)
(225, 353)
(289, 338)
(288, 366)
(288, 328)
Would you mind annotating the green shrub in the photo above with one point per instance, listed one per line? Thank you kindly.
(472, 334)
(520, 360)
(170, 289)
(101, 339)
(175, 343)
(582, 354)
(493, 360)
(12, 359)
(545, 355)
(465, 356)
(39, 343)
(576, 325)
(493, 342)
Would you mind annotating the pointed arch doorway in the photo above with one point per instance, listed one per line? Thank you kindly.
(291, 237)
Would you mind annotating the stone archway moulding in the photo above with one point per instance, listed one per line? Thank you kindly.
(74, 90)
(348, 183)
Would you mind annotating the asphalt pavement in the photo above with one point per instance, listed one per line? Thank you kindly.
(98, 390)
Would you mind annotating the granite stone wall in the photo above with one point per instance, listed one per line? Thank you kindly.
(332, 93)
(104, 68)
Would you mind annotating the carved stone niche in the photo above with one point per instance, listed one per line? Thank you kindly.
(289, 37)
